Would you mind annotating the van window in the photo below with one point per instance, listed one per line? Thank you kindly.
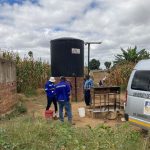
(141, 81)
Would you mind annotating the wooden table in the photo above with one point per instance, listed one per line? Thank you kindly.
(106, 92)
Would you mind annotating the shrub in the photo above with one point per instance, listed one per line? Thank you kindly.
(21, 108)
(29, 92)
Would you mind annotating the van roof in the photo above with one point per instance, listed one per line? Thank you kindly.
(143, 65)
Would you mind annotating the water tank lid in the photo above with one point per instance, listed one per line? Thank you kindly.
(67, 38)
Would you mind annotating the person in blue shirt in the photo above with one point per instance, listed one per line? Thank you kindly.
(51, 94)
(63, 93)
(88, 84)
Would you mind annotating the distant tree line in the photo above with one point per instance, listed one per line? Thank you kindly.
(95, 64)
(129, 55)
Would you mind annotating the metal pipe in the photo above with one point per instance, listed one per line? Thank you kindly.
(88, 43)
(88, 58)
(75, 88)
(92, 43)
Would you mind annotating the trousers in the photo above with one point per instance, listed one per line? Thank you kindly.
(87, 97)
(49, 102)
(67, 106)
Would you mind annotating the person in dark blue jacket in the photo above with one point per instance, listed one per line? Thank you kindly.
(63, 93)
(51, 94)
(88, 85)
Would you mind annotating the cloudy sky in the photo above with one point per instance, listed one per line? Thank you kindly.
(30, 25)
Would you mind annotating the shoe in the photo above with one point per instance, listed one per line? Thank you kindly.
(57, 114)
(55, 118)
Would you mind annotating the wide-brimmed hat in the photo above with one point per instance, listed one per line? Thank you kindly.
(52, 79)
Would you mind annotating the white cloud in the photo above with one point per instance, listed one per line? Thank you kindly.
(117, 23)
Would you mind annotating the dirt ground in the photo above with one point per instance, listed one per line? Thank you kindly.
(36, 108)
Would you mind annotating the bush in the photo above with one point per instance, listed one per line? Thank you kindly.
(21, 108)
(29, 92)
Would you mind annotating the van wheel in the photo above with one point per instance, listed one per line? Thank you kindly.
(126, 116)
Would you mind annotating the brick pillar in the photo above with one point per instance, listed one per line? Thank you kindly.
(7, 97)
(7, 86)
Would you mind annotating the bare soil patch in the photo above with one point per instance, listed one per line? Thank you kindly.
(36, 108)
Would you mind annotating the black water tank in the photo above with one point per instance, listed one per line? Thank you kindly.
(67, 57)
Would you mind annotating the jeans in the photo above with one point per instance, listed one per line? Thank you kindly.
(67, 106)
(49, 102)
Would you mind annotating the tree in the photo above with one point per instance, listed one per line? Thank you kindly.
(107, 64)
(30, 53)
(94, 64)
(131, 55)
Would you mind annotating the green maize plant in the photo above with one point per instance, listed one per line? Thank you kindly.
(31, 74)
(119, 74)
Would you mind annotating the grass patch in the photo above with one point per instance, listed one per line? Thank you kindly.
(19, 109)
(38, 134)
(29, 92)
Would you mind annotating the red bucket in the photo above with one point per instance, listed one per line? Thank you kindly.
(49, 114)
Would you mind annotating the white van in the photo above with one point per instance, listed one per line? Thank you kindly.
(137, 109)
